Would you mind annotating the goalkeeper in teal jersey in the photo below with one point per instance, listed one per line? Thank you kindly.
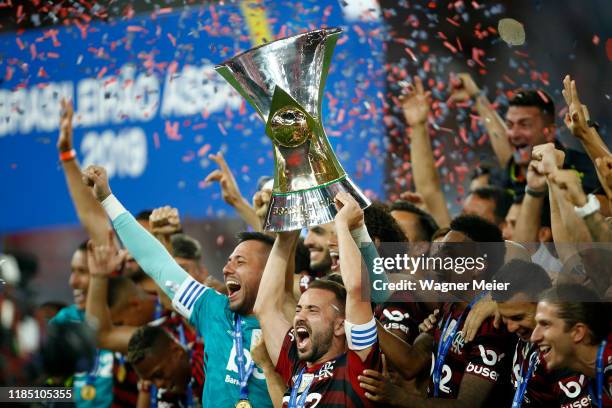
(226, 324)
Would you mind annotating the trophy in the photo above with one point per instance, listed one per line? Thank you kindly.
(284, 80)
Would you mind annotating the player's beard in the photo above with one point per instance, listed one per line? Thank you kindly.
(320, 344)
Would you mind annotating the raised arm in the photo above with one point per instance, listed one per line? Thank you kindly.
(231, 193)
(530, 215)
(101, 263)
(150, 254)
(577, 121)
(89, 211)
(569, 182)
(270, 298)
(464, 88)
(359, 317)
(415, 105)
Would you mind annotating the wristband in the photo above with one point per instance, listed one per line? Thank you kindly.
(113, 207)
(536, 193)
(591, 207)
(361, 236)
(67, 155)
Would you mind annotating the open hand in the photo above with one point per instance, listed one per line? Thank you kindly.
(229, 188)
(415, 103)
(577, 114)
(96, 177)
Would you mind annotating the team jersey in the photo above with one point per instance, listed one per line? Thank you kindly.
(167, 399)
(208, 311)
(548, 389)
(401, 314)
(125, 383)
(333, 384)
(103, 375)
(487, 357)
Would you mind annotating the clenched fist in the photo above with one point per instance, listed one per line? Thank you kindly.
(96, 177)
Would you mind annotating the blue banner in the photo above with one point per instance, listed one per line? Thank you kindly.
(150, 107)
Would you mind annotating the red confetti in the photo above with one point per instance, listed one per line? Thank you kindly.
(409, 52)
(596, 39)
(172, 39)
(9, 73)
(52, 55)
(172, 130)
(135, 29)
(453, 22)
(203, 150)
(102, 72)
(156, 140)
(450, 47)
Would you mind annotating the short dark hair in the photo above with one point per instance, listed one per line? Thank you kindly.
(255, 236)
(144, 341)
(119, 289)
(144, 215)
(502, 199)
(302, 257)
(184, 246)
(579, 304)
(480, 230)
(538, 98)
(477, 228)
(334, 277)
(381, 224)
(523, 277)
(337, 289)
(428, 225)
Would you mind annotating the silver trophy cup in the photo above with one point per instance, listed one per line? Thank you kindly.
(284, 81)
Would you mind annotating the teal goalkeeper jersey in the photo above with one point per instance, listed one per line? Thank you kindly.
(214, 321)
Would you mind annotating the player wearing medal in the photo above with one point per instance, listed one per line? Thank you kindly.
(226, 324)
(534, 384)
(573, 331)
(312, 357)
(469, 374)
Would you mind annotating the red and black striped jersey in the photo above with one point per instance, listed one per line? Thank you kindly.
(487, 357)
(333, 384)
(171, 323)
(171, 400)
(548, 389)
(125, 383)
(400, 314)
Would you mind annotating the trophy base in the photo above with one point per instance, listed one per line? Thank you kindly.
(306, 208)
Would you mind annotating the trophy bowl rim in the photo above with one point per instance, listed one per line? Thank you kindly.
(331, 30)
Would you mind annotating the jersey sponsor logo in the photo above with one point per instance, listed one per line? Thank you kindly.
(397, 326)
(482, 371)
(395, 315)
(572, 389)
(489, 357)
(232, 364)
(584, 402)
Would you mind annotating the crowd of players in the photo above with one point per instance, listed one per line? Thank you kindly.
(295, 322)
